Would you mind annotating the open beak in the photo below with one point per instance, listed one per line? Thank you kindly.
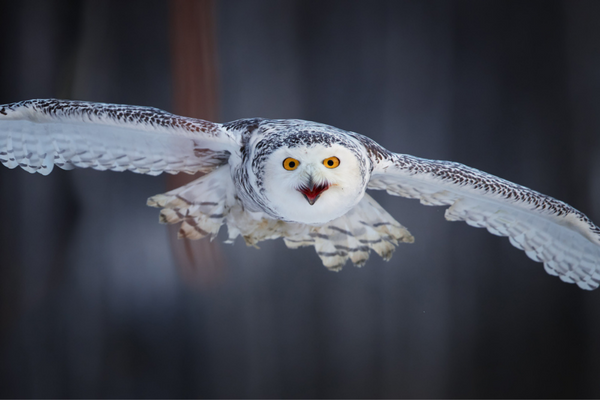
(312, 192)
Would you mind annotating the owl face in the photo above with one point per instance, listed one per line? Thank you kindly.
(313, 184)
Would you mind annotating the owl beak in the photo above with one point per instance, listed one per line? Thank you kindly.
(312, 192)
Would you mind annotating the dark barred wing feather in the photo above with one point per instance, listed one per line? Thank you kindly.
(38, 134)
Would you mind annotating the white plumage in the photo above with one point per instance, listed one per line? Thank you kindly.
(299, 180)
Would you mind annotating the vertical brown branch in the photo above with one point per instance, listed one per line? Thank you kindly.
(194, 58)
(194, 73)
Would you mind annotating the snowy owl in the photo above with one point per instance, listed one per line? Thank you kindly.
(299, 180)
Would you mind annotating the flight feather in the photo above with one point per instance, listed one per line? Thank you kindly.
(38, 134)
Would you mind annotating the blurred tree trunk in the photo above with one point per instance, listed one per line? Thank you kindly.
(193, 60)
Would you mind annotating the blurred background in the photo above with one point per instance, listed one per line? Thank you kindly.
(99, 300)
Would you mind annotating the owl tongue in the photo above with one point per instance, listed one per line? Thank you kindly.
(313, 192)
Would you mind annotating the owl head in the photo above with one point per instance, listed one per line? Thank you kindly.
(314, 177)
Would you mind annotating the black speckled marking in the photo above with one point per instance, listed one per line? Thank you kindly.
(245, 126)
(119, 113)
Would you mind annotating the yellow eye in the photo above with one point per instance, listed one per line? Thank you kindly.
(331, 162)
(290, 163)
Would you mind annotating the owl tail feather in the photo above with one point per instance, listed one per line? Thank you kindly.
(200, 206)
(352, 236)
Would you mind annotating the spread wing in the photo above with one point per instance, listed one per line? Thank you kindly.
(548, 230)
(38, 134)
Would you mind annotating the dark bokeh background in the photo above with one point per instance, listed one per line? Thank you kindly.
(92, 303)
